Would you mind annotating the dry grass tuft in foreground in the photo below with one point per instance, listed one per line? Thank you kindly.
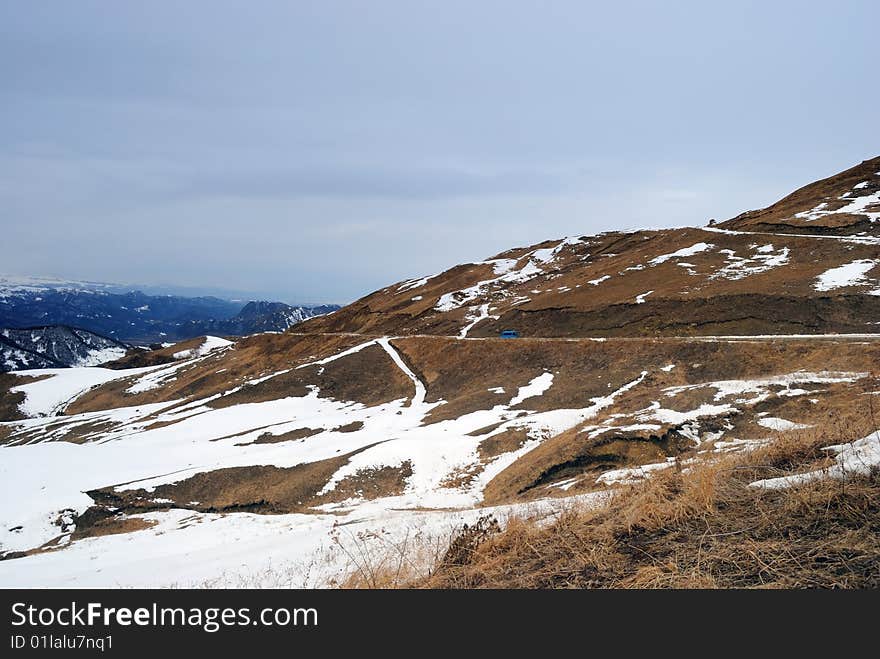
(703, 528)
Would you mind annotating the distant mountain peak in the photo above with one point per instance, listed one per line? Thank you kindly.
(257, 308)
(137, 317)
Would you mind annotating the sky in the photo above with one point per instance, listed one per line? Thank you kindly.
(316, 151)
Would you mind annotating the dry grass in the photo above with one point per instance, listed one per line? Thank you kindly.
(702, 527)
(377, 562)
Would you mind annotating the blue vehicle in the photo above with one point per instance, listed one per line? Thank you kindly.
(509, 334)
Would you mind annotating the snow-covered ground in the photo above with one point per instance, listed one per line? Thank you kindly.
(135, 454)
(763, 258)
(103, 356)
(187, 549)
(57, 387)
(855, 240)
(136, 450)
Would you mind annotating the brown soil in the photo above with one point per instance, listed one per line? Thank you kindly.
(93, 525)
(371, 483)
(257, 356)
(721, 315)
(140, 358)
(9, 401)
(299, 433)
(262, 489)
(572, 454)
(504, 442)
(354, 426)
(373, 378)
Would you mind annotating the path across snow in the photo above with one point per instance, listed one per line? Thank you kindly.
(419, 397)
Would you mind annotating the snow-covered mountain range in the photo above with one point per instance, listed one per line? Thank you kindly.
(135, 317)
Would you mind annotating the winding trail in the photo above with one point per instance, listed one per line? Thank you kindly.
(860, 240)
(600, 339)
(418, 398)
(482, 314)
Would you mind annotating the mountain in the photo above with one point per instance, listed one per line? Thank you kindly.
(133, 316)
(805, 265)
(256, 316)
(364, 438)
(56, 346)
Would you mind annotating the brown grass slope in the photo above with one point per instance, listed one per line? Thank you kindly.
(466, 375)
(780, 217)
(762, 281)
(703, 528)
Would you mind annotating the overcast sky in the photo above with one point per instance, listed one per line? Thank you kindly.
(316, 151)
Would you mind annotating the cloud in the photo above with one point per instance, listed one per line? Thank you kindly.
(325, 149)
(377, 180)
(679, 195)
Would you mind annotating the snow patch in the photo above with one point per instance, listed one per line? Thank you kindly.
(760, 387)
(764, 258)
(858, 458)
(685, 251)
(631, 475)
(210, 343)
(98, 357)
(780, 425)
(849, 274)
(61, 386)
(476, 315)
(856, 206)
(536, 387)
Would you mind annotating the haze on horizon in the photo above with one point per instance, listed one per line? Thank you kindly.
(319, 151)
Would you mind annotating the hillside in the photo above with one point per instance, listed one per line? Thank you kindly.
(847, 203)
(279, 459)
(56, 347)
(750, 275)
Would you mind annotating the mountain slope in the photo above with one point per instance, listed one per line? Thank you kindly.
(847, 203)
(403, 414)
(786, 269)
(55, 346)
